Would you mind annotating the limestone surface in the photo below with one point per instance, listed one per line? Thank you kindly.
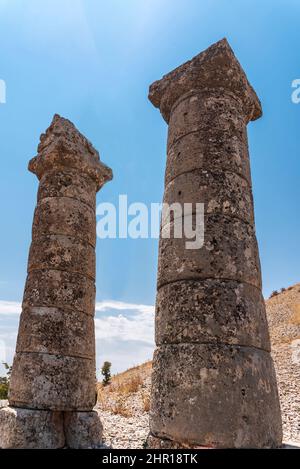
(60, 289)
(221, 192)
(230, 252)
(211, 311)
(213, 377)
(56, 332)
(83, 430)
(215, 395)
(56, 382)
(61, 252)
(31, 429)
(226, 150)
(54, 365)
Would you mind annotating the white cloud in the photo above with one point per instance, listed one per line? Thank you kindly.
(10, 307)
(14, 307)
(120, 305)
(125, 339)
(138, 327)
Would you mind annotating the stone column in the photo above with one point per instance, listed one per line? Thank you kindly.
(52, 388)
(213, 381)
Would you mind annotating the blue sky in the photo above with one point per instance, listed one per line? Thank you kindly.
(92, 61)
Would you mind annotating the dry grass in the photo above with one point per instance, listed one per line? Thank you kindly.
(146, 401)
(120, 408)
(295, 319)
(125, 389)
(127, 386)
(138, 369)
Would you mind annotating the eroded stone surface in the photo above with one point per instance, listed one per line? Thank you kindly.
(62, 147)
(65, 216)
(214, 68)
(221, 192)
(225, 150)
(83, 430)
(63, 253)
(209, 111)
(54, 382)
(211, 311)
(215, 395)
(68, 183)
(205, 392)
(31, 429)
(229, 252)
(56, 331)
(54, 366)
(59, 289)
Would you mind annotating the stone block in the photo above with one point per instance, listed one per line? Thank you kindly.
(221, 192)
(215, 395)
(229, 252)
(59, 289)
(53, 382)
(65, 216)
(83, 430)
(211, 311)
(207, 111)
(68, 183)
(216, 68)
(57, 332)
(64, 253)
(204, 149)
(31, 429)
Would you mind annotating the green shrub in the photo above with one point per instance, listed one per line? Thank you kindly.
(4, 382)
(105, 371)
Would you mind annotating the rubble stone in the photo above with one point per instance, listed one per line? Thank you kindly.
(31, 429)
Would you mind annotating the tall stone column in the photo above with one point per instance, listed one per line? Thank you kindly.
(213, 381)
(52, 388)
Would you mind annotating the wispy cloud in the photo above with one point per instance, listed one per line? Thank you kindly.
(124, 331)
(138, 327)
(10, 307)
(120, 305)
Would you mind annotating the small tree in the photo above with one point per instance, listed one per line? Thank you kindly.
(105, 371)
(4, 382)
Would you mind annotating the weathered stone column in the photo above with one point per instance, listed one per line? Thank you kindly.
(213, 379)
(52, 388)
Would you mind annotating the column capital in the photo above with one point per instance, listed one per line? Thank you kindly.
(62, 146)
(215, 68)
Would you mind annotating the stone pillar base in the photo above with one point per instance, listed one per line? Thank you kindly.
(45, 429)
(83, 430)
(31, 429)
(215, 395)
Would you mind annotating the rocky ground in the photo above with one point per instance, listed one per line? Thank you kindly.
(124, 432)
(283, 311)
(124, 407)
(124, 404)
